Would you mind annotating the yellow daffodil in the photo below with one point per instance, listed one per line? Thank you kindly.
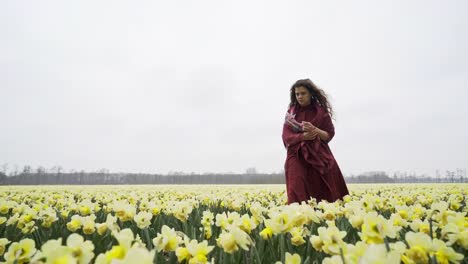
(375, 228)
(143, 219)
(291, 259)
(266, 233)
(297, 238)
(329, 240)
(20, 252)
(445, 254)
(3, 243)
(232, 238)
(420, 245)
(167, 240)
(82, 250)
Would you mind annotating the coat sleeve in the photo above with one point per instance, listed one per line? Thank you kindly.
(327, 125)
(290, 137)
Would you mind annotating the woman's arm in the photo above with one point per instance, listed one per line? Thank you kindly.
(323, 135)
(290, 137)
(328, 129)
(313, 132)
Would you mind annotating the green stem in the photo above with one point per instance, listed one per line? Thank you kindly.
(271, 248)
(430, 227)
(281, 238)
(342, 256)
(308, 245)
(149, 245)
(256, 254)
(387, 246)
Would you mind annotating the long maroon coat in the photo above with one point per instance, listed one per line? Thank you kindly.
(310, 168)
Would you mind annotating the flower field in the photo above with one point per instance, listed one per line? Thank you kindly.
(414, 223)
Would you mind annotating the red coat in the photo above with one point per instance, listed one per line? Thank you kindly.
(310, 168)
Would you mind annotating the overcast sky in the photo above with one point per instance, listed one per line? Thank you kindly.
(203, 86)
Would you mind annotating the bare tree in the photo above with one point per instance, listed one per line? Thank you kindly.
(2, 176)
(251, 171)
(5, 168)
(41, 170)
(27, 169)
(16, 170)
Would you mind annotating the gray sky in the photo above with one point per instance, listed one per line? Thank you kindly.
(203, 86)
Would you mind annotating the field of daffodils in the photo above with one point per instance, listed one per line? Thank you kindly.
(413, 223)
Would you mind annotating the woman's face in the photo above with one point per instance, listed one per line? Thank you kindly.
(303, 96)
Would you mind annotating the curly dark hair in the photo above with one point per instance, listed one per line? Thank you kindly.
(318, 95)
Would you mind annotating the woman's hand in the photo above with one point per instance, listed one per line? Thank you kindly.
(307, 126)
(310, 131)
(316, 132)
(310, 135)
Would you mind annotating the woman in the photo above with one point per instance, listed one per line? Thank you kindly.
(310, 168)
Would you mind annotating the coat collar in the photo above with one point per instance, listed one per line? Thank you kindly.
(311, 107)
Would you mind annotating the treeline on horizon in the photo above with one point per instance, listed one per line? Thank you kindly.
(105, 177)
